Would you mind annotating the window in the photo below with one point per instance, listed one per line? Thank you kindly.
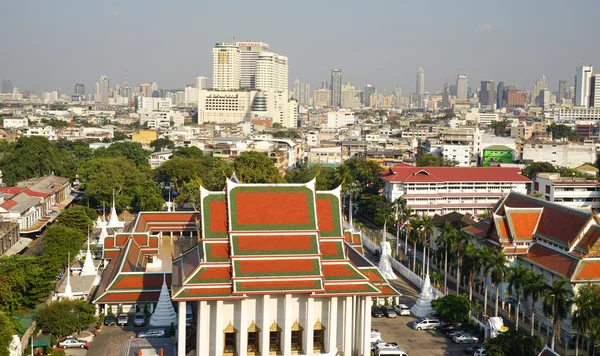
(319, 337)
(274, 339)
(230, 335)
(297, 338)
(253, 339)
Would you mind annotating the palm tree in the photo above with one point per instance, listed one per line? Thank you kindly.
(446, 241)
(487, 263)
(499, 274)
(415, 227)
(534, 287)
(407, 215)
(473, 265)
(516, 278)
(558, 301)
(462, 241)
(583, 315)
(426, 231)
(399, 206)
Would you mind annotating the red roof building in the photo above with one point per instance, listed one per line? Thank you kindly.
(441, 190)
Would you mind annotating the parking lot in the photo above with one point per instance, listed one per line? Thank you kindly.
(415, 343)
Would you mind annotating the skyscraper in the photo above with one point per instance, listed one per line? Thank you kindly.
(583, 79)
(226, 73)
(336, 87)
(420, 82)
(271, 71)
(487, 97)
(248, 56)
(462, 85)
(539, 85)
(595, 91)
(369, 90)
(563, 90)
(103, 86)
(79, 89)
(500, 102)
(201, 83)
(302, 92)
(7, 86)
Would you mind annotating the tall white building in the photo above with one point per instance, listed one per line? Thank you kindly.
(595, 91)
(103, 86)
(271, 71)
(339, 119)
(583, 79)
(202, 83)
(462, 85)
(302, 92)
(248, 56)
(420, 82)
(224, 107)
(539, 85)
(336, 87)
(350, 96)
(226, 66)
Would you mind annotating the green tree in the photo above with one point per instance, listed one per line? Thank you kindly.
(426, 231)
(181, 170)
(499, 274)
(31, 157)
(560, 131)
(499, 127)
(512, 343)
(534, 288)
(23, 280)
(78, 217)
(558, 300)
(516, 280)
(119, 136)
(446, 240)
(472, 264)
(7, 330)
(162, 143)
(462, 241)
(58, 242)
(277, 125)
(65, 317)
(325, 176)
(133, 151)
(429, 160)
(454, 309)
(487, 263)
(415, 224)
(532, 169)
(256, 167)
(190, 193)
(188, 152)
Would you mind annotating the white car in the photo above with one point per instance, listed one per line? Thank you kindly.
(465, 338)
(479, 352)
(402, 309)
(375, 335)
(152, 333)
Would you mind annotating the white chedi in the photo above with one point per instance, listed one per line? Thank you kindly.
(164, 314)
(385, 265)
(423, 305)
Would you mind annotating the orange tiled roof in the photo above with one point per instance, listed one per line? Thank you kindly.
(550, 259)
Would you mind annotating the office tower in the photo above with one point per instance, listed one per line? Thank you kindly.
(398, 97)
(248, 56)
(369, 90)
(322, 97)
(7, 86)
(595, 91)
(420, 82)
(79, 89)
(487, 96)
(446, 96)
(302, 92)
(350, 96)
(462, 85)
(453, 90)
(515, 98)
(563, 90)
(500, 102)
(539, 85)
(336, 87)
(583, 79)
(271, 71)
(103, 86)
(226, 72)
(201, 83)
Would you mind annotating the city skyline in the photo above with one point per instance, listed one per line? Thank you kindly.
(40, 60)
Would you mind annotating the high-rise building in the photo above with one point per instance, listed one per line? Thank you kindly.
(350, 96)
(79, 89)
(226, 73)
(583, 80)
(462, 85)
(271, 71)
(7, 86)
(487, 96)
(302, 92)
(369, 90)
(202, 83)
(420, 82)
(322, 97)
(563, 90)
(103, 86)
(336, 87)
(500, 98)
(248, 56)
(515, 99)
(539, 85)
(595, 91)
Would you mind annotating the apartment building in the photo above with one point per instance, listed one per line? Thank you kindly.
(564, 154)
(573, 192)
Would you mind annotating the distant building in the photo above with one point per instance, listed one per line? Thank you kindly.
(339, 119)
(322, 97)
(495, 154)
(103, 86)
(248, 56)
(336, 87)
(369, 90)
(583, 80)
(563, 90)
(9, 235)
(462, 85)
(563, 154)
(79, 89)
(350, 96)
(515, 99)
(226, 74)
(487, 96)
(576, 113)
(144, 137)
(302, 92)
(7, 86)
(500, 96)
(577, 193)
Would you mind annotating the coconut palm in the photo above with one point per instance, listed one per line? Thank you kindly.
(583, 315)
(399, 207)
(516, 279)
(558, 300)
(473, 265)
(407, 215)
(462, 241)
(534, 287)
(446, 241)
(499, 274)
(487, 263)
(426, 231)
(415, 227)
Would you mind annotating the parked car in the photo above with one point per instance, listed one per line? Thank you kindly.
(479, 352)
(375, 335)
(426, 323)
(389, 312)
(73, 342)
(109, 320)
(450, 327)
(377, 312)
(471, 349)
(123, 319)
(152, 333)
(465, 338)
(139, 319)
(451, 333)
(402, 309)
(389, 350)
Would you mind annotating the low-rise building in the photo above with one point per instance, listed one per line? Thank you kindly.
(496, 154)
(15, 122)
(158, 158)
(9, 235)
(578, 193)
(326, 156)
(564, 154)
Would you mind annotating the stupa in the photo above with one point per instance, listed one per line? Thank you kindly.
(385, 265)
(113, 222)
(423, 305)
(164, 314)
(68, 290)
(88, 268)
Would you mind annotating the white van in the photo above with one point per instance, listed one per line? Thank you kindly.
(426, 324)
(402, 309)
(389, 350)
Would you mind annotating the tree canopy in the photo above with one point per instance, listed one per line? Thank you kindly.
(162, 143)
(65, 317)
(180, 170)
(532, 169)
(31, 157)
(7, 330)
(429, 160)
(58, 241)
(512, 343)
(133, 151)
(78, 217)
(454, 309)
(560, 131)
(23, 280)
(325, 176)
(256, 167)
(188, 152)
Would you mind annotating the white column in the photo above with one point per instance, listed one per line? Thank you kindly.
(347, 326)
(308, 328)
(243, 328)
(181, 330)
(367, 326)
(287, 325)
(264, 328)
(332, 327)
(360, 327)
(203, 326)
(218, 327)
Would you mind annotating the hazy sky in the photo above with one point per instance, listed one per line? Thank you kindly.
(54, 44)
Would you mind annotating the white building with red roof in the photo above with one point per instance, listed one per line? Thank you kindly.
(441, 190)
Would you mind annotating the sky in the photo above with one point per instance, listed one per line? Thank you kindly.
(47, 45)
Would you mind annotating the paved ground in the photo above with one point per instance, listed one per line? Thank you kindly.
(108, 341)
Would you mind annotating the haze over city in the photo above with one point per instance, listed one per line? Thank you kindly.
(56, 44)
